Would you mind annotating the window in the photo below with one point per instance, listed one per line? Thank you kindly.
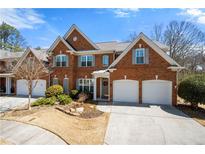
(105, 60)
(61, 60)
(140, 56)
(85, 85)
(86, 61)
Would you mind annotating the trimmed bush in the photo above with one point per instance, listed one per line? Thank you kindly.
(44, 101)
(64, 99)
(192, 89)
(74, 93)
(54, 91)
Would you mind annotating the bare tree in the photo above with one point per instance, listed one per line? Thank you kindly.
(31, 69)
(182, 39)
(157, 33)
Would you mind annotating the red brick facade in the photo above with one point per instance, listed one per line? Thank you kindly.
(157, 66)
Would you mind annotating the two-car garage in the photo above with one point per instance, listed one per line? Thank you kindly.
(152, 91)
(39, 87)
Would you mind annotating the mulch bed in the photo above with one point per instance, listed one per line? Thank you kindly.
(89, 111)
(197, 114)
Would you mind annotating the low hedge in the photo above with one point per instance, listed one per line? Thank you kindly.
(64, 99)
(54, 91)
(192, 89)
(44, 101)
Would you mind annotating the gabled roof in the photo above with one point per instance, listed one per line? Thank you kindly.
(28, 50)
(74, 27)
(152, 45)
(113, 45)
(5, 54)
(55, 43)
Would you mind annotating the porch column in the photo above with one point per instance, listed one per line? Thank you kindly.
(8, 85)
(94, 88)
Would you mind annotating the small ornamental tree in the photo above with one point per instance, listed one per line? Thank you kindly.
(192, 89)
(31, 70)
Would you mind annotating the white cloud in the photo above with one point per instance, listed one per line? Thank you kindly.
(125, 12)
(21, 18)
(196, 15)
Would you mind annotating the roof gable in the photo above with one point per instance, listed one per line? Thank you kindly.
(82, 42)
(55, 43)
(26, 53)
(155, 47)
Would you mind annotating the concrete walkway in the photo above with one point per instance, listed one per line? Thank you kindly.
(13, 102)
(20, 133)
(151, 125)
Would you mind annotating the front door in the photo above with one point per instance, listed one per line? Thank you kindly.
(105, 88)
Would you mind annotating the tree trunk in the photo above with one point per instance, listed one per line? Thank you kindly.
(29, 102)
(194, 105)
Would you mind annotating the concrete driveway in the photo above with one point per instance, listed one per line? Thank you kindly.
(20, 133)
(8, 103)
(151, 125)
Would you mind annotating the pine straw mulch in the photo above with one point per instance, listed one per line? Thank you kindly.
(72, 129)
(197, 114)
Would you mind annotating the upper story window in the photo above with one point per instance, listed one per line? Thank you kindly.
(86, 60)
(61, 60)
(105, 60)
(140, 56)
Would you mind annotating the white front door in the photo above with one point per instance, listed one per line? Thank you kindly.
(126, 91)
(157, 92)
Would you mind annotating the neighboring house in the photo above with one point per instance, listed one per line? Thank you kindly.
(134, 72)
(7, 60)
(8, 83)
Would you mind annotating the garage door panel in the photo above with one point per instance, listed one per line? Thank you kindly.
(125, 91)
(39, 89)
(22, 88)
(157, 92)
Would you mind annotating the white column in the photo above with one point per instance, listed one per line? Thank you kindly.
(94, 88)
(7, 85)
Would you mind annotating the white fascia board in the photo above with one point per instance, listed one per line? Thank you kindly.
(72, 28)
(93, 52)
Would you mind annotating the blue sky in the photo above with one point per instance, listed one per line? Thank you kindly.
(40, 27)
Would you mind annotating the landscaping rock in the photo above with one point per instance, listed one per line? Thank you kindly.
(72, 110)
(80, 109)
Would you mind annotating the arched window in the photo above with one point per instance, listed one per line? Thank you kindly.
(61, 60)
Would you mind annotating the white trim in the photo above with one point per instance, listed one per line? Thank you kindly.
(74, 27)
(93, 52)
(55, 43)
(175, 68)
(151, 44)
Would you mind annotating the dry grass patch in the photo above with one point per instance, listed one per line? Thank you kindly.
(74, 130)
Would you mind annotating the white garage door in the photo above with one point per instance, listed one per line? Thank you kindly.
(125, 91)
(21, 87)
(39, 89)
(157, 92)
